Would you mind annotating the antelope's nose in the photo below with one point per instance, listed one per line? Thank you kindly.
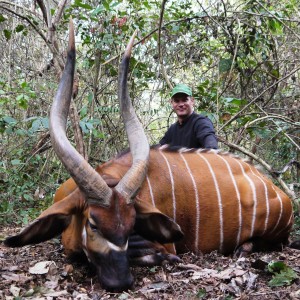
(117, 286)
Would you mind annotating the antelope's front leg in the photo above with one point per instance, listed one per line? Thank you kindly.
(143, 252)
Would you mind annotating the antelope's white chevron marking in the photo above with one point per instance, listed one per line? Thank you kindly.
(197, 203)
(163, 147)
(238, 196)
(84, 242)
(150, 191)
(221, 222)
(117, 248)
(287, 225)
(253, 188)
(281, 209)
(109, 244)
(172, 185)
(266, 197)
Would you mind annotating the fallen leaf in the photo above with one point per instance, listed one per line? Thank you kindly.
(154, 287)
(56, 294)
(80, 296)
(295, 295)
(41, 267)
(14, 290)
(16, 277)
(51, 284)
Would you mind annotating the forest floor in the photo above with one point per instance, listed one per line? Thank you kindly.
(43, 272)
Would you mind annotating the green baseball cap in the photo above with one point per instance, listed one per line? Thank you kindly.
(181, 88)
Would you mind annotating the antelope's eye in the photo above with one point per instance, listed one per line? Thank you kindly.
(92, 226)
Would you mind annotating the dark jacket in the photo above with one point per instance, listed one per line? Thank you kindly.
(196, 131)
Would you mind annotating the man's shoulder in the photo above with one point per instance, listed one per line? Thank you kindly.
(195, 117)
(200, 121)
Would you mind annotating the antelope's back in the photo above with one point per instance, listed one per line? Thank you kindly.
(219, 201)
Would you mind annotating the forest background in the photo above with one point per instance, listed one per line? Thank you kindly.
(242, 59)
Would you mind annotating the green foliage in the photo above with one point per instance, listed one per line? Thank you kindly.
(18, 186)
(201, 293)
(296, 228)
(228, 61)
(283, 274)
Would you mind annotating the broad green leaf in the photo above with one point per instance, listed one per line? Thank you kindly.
(98, 134)
(225, 65)
(275, 26)
(83, 111)
(263, 133)
(106, 5)
(19, 28)
(2, 18)
(19, 97)
(275, 73)
(235, 101)
(43, 123)
(16, 162)
(35, 126)
(283, 274)
(20, 132)
(7, 34)
(89, 125)
(24, 84)
(78, 3)
(146, 3)
(90, 97)
(9, 120)
(27, 197)
(276, 266)
(83, 127)
(201, 293)
(23, 101)
(97, 10)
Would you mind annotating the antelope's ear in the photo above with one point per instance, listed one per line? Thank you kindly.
(153, 225)
(42, 229)
(50, 223)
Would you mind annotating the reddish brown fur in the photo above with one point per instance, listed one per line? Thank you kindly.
(209, 231)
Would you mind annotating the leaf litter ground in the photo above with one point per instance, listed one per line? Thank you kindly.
(43, 272)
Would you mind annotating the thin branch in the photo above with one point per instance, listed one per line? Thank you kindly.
(258, 97)
(284, 133)
(278, 19)
(152, 32)
(273, 116)
(43, 8)
(19, 6)
(263, 16)
(40, 33)
(233, 59)
(161, 61)
(288, 166)
(58, 12)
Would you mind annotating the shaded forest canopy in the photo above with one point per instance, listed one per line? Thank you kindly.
(240, 57)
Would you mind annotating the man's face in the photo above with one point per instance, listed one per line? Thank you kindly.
(183, 105)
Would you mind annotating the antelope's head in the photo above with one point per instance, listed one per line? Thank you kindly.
(110, 213)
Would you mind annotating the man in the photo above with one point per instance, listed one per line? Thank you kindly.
(191, 130)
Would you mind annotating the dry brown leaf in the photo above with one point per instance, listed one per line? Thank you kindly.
(16, 277)
(41, 267)
(15, 290)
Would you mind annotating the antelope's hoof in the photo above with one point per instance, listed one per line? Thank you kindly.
(244, 250)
